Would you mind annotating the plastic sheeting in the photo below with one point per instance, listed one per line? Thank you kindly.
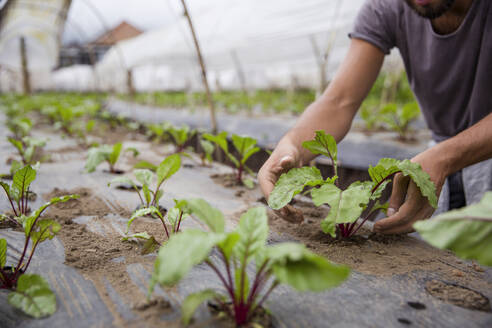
(275, 43)
(40, 22)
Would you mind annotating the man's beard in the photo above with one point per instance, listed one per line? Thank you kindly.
(430, 11)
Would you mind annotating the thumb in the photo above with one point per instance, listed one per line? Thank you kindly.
(286, 162)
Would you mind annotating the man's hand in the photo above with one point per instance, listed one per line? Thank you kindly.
(407, 205)
(285, 157)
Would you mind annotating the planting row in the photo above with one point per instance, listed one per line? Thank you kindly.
(284, 263)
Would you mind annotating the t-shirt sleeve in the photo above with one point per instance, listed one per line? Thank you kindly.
(376, 24)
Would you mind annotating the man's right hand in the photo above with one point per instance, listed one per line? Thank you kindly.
(284, 157)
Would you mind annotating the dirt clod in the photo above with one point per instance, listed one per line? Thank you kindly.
(458, 295)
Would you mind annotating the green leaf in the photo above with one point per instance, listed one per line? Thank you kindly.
(17, 144)
(52, 201)
(142, 212)
(181, 252)
(44, 229)
(115, 153)
(294, 265)
(97, 155)
(22, 180)
(388, 166)
(291, 183)
(150, 246)
(15, 166)
(6, 188)
(133, 150)
(323, 144)
(3, 252)
(122, 180)
(211, 216)
(220, 140)
(345, 206)
(253, 231)
(147, 195)
(421, 179)
(139, 235)
(245, 146)
(228, 244)
(33, 296)
(193, 301)
(168, 167)
(145, 165)
(144, 176)
(249, 183)
(466, 231)
(208, 148)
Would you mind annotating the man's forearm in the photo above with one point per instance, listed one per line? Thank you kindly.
(467, 148)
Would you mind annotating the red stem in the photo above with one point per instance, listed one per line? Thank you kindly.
(179, 221)
(240, 174)
(221, 277)
(256, 283)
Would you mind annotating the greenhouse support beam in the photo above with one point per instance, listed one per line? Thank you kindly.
(210, 100)
(26, 83)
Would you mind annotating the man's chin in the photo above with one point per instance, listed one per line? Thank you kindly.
(428, 9)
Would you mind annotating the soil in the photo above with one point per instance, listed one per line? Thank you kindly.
(227, 180)
(371, 253)
(94, 255)
(261, 318)
(458, 295)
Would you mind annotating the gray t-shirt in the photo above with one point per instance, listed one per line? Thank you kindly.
(451, 75)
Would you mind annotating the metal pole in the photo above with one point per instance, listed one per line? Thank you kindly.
(210, 100)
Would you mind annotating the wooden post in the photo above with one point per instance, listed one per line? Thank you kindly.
(129, 83)
(210, 100)
(26, 83)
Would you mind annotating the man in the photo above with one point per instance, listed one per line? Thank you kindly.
(446, 46)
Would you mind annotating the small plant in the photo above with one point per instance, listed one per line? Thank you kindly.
(284, 263)
(149, 198)
(346, 206)
(466, 231)
(245, 147)
(181, 136)
(398, 118)
(20, 127)
(30, 292)
(208, 150)
(27, 148)
(157, 131)
(106, 153)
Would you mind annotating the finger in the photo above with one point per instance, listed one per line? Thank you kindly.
(425, 213)
(267, 177)
(404, 214)
(400, 187)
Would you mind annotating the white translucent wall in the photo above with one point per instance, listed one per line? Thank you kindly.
(40, 23)
(270, 41)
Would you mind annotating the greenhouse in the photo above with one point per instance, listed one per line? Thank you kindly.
(226, 163)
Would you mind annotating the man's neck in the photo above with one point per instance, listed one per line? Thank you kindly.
(452, 19)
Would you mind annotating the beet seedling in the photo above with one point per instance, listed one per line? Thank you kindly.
(245, 147)
(30, 292)
(208, 150)
(27, 148)
(346, 206)
(106, 153)
(181, 136)
(284, 263)
(149, 198)
(398, 118)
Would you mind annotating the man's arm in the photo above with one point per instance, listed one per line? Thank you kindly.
(406, 204)
(332, 112)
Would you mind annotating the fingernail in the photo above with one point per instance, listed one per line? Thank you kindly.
(390, 211)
